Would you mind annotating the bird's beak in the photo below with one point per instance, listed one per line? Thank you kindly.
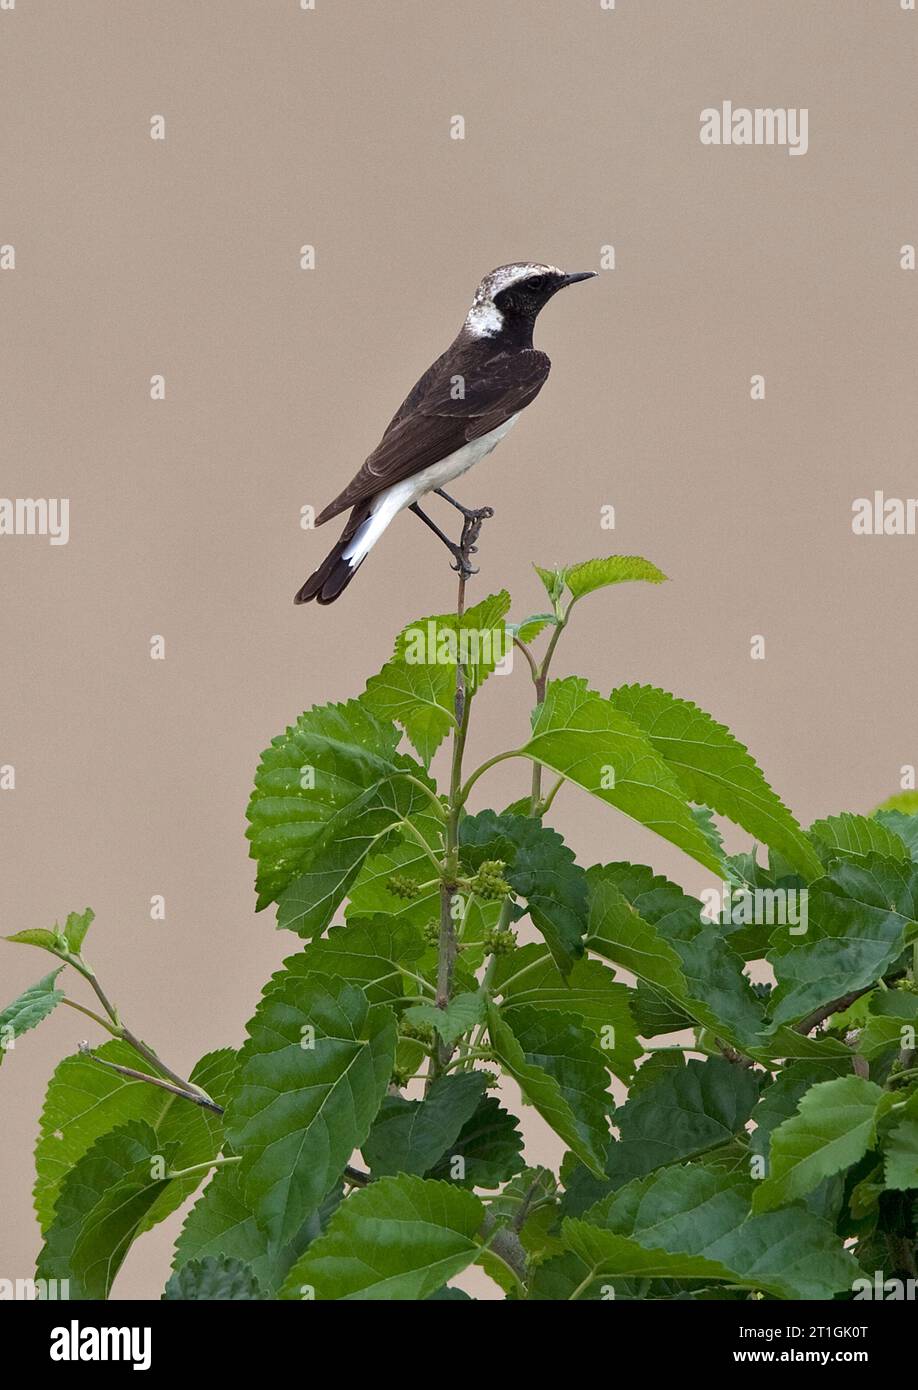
(577, 275)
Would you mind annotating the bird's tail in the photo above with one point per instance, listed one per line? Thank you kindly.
(343, 561)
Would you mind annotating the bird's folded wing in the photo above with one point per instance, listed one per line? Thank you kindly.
(455, 408)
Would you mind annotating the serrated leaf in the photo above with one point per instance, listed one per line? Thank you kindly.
(76, 927)
(335, 776)
(311, 1078)
(490, 1146)
(860, 917)
(902, 825)
(900, 1150)
(373, 955)
(417, 688)
(222, 1225)
(553, 1061)
(589, 575)
(26, 1012)
(695, 1223)
(681, 1113)
(540, 869)
(646, 924)
(528, 978)
(370, 895)
(834, 1126)
(214, 1279)
(411, 1136)
(100, 1208)
(399, 1239)
(84, 1101)
(851, 836)
(714, 769)
(39, 936)
(57, 941)
(588, 740)
(529, 629)
(463, 1013)
(311, 900)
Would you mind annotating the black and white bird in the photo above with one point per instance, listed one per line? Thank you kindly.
(459, 410)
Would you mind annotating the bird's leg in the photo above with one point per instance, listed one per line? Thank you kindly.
(460, 553)
(470, 513)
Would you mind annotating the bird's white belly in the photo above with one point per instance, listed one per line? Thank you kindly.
(454, 465)
(394, 499)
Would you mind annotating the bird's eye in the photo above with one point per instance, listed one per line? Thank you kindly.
(536, 282)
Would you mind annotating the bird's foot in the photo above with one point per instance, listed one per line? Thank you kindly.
(462, 566)
(470, 513)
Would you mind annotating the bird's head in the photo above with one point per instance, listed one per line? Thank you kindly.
(512, 295)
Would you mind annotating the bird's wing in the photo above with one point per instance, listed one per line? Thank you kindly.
(434, 425)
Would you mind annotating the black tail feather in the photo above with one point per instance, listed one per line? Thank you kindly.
(334, 574)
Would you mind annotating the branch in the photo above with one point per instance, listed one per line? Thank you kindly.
(204, 1101)
(813, 1020)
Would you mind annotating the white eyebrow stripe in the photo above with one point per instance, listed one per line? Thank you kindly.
(507, 275)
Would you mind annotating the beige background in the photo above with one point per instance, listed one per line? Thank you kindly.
(331, 127)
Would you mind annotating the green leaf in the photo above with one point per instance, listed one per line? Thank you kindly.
(904, 827)
(612, 569)
(57, 941)
(371, 955)
(311, 1078)
(222, 1225)
(588, 740)
(370, 895)
(411, 1136)
(900, 1150)
(26, 1012)
(84, 1101)
(462, 1013)
(76, 927)
(695, 1223)
(553, 581)
(553, 1060)
(400, 1239)
(540, 869)
(335, 776)
(714, 769)
(780, 1099)
(905, 802)
(100, 1209)
(417, 688)
(529, 629)
(646, 924)
(833, 1128)
(860, 917)
(686, 1111)
(216, 1280)
(490, 1146)
(196, 1133)
(309, 903)
(852, 836)
(528, 978)
(690, 1110)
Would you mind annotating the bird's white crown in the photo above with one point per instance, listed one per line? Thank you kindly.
(484, 319)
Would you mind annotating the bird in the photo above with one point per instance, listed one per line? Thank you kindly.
(456, 413)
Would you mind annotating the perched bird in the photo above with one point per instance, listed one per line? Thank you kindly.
(459, 410)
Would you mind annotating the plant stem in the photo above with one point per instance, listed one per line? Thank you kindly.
(120, 1030)
(447, 945)
(90, 1013)
(203, 1167)
(204, 1101)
